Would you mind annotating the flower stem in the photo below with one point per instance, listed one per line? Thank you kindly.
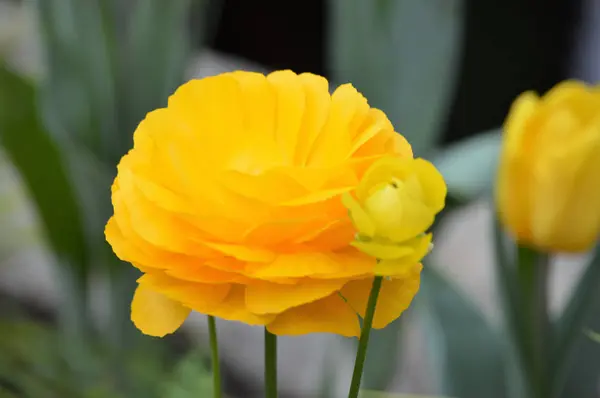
(533, 282)
(214, 349)
(361, 352)
(270, 365)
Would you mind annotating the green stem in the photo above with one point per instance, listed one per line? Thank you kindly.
(572, 321)
(361, 352)
(214, 349)
(270, 365)
(532, 275)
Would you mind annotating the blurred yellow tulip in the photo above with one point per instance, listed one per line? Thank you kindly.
(548, 188)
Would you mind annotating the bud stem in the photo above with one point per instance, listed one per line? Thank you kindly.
(361, 352)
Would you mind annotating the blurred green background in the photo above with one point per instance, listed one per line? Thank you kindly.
(77, 76)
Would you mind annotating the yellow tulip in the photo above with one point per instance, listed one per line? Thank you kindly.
(396, 202)
(548, 189)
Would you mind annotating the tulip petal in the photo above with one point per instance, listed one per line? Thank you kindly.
(154, 314)
(328, 315)
(272, 298)
(395, 296)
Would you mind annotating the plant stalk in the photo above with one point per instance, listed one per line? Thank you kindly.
(532, 275)
(270, 365)
(363, 343)
(214, 349)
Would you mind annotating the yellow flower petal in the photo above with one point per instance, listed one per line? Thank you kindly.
(395, 296)
(272, 298)
(342, 264)
(234, 308)
(290, 111)
(328, 315)
(333, 144)
(397, 215)
(432, 184)
(401, 267)
(361, 220)
(198, 296)
(154, 314)
(383, 250)
(316, 111)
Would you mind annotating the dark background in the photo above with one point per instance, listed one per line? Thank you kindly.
(523, 44)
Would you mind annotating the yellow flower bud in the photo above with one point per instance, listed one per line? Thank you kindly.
(548, 188)
(396, 202)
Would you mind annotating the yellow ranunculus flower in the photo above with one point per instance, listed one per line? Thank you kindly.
(230, 205)
(548, 188)
(396, 202)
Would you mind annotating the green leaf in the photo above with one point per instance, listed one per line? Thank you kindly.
(473, 362)
(79, 93)
(191, 378)
(381, 394)
(383, 356)
(155, 50)
(469, 166)
(42, 167)
(403, 56)
(576, 360)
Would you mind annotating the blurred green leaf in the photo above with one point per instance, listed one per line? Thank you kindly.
(42, 166)
(469, 166)
(191, 378)
(380, 394)
(595, 336)
(576, 360)
(383, 356)
(473, 361)
(79, 93)
(154, 57)
(403, 56)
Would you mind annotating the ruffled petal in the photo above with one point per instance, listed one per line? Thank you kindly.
(201, 297)
(154, 314)
(233, 308)
(328, 315)
(272, 298)
(334, 265)
(395, 296)
(361, 220)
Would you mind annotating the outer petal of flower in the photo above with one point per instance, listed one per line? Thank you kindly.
(154, 314)
(432, 183)
(335, 265)
(395, 296)
(328, 315)
(361, 220)
(201, 297)
(383, 250)
(273, 298)
(400, 267)
(234, 308)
